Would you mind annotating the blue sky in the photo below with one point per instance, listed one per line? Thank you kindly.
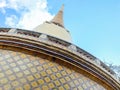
(94, 24)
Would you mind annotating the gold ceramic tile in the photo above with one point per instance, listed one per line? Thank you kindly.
(54, 69)
(80, 88)
(77, 75)
(13, 64)
(33, 70)
(23, 80)
(51, 64)
(49, 71)
(16, 69)
(19, 88)
(45, 66)
(68, 71)
(64, 73)
(47, 79)
(57, 83)
(53, 77)
(26, 86)
(45, 88)
(30, 78)
(1, 88)
(67, 78)
(80, 80)
(88, 84)
(8, 72)
(58, 75)
(19, 74)
(16, 58)
(40, 81)
(23, 55)
(37, 88)
(13, 53)
(51, 85)
(32, 58)
(34, 84)
(7, 55)
(62, 80)
(43, 73)
(12, 77)
(26, 72)
(10, 60)
(20, 62)
(36, 63)
(76, 89)
(72, 76)
(23, 67)
(2, 75)
(60, 68)
(41, 61)
(84, 86)
(26, 60)
(29, 65)
(91, 88)
(84, 79)
(3, 81)
(3, 63)
(67, 87)
(91, 83)
(7, 87)
(61, 88)
(39, 68)
(1, 58)
(72, 84)
(37, 75)
(15, 83)
(76, 82)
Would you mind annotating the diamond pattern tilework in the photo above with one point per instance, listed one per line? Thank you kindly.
(19, 71)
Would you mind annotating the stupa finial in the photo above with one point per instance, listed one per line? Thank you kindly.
(58, 19)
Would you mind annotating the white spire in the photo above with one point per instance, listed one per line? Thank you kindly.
(55, 27)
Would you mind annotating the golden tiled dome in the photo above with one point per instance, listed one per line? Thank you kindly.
(20, 71)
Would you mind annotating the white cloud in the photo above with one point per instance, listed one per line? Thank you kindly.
(11, 20)
(33, 18)
(32, 13)
(2, 6)
(2, 3)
